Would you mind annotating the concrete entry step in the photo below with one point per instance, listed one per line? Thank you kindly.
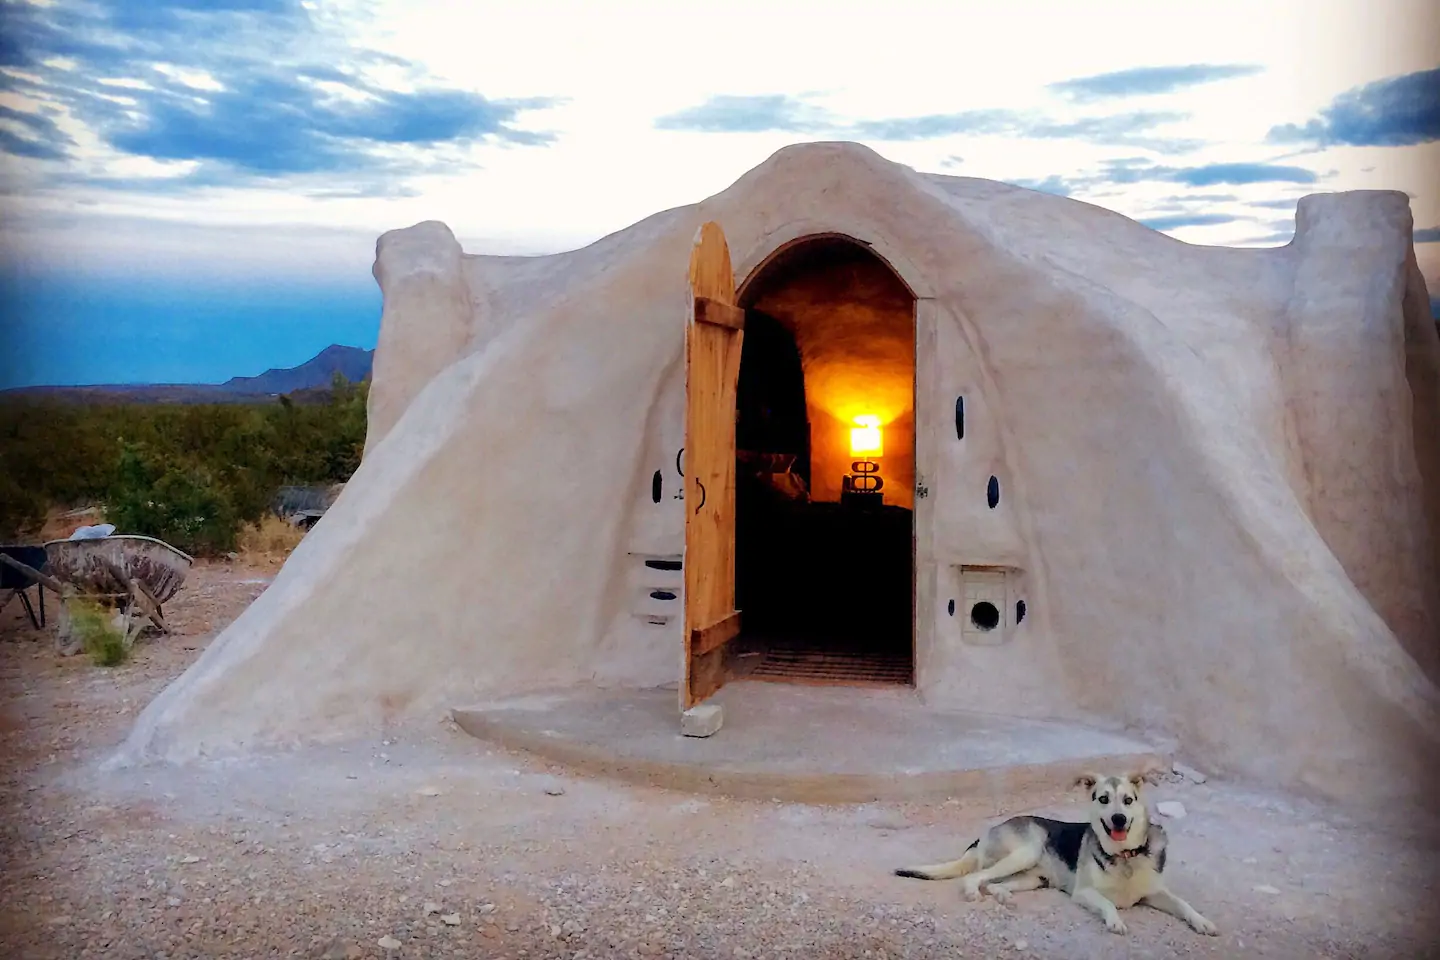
(803, 744)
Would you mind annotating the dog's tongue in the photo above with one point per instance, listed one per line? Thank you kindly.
(1117, 835)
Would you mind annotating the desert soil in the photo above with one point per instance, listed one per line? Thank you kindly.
(422, 842)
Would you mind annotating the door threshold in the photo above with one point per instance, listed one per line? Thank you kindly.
(829, 668)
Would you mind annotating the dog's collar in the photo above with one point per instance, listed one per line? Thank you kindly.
(1140, 851)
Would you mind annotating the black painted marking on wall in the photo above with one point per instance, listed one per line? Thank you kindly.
(656, 485)
(952, 606)
(664, 564)
(661, 595)
(1019, 611)
(960, 418)
(992, 492)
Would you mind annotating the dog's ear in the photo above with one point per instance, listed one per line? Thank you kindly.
(1087, 780)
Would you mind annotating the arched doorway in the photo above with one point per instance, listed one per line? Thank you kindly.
(825, 575)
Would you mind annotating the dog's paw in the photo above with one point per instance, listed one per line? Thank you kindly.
(1204, 926)
(1116, 925)
(1002, 896)
(970, 890)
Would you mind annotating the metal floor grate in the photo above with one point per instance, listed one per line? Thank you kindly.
(842, 668)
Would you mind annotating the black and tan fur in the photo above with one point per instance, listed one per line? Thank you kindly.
(1112, 861)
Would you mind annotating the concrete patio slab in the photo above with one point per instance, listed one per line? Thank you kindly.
(802, 743)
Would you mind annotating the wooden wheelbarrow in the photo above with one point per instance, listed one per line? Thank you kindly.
(135, 574)
(107, 566)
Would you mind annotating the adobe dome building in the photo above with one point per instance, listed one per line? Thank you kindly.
(1123, 479)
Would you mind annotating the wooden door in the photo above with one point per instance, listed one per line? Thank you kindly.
(713, 334)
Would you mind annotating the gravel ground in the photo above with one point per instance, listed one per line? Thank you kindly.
(426, 843)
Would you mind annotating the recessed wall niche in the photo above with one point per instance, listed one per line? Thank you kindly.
(982, 600)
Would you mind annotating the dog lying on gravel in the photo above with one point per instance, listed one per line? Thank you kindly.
(1110, 862)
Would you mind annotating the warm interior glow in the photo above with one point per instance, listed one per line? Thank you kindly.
(854, 325)
(865, 440)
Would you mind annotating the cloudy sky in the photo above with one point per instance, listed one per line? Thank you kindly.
(191, 189)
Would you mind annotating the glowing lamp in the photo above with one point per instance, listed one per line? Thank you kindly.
(862, 487)
(865, 440)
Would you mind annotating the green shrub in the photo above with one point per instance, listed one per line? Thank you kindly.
(189, 474)
(90, 623)
(22, 511)
(184, 505)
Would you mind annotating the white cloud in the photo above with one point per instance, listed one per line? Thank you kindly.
(195, 79)
(128, 83)
(622, 64)
(625, 63)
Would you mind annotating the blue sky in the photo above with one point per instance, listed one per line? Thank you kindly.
(191, 189)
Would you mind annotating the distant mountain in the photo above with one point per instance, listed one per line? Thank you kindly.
(136, 393)
(318, 371)
(312, 376)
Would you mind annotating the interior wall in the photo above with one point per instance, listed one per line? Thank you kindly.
(854, 323)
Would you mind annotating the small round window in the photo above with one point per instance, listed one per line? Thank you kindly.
(985, 615)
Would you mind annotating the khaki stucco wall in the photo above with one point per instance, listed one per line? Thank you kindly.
(1213, 498)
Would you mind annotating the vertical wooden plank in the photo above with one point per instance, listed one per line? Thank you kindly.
(712, 372)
